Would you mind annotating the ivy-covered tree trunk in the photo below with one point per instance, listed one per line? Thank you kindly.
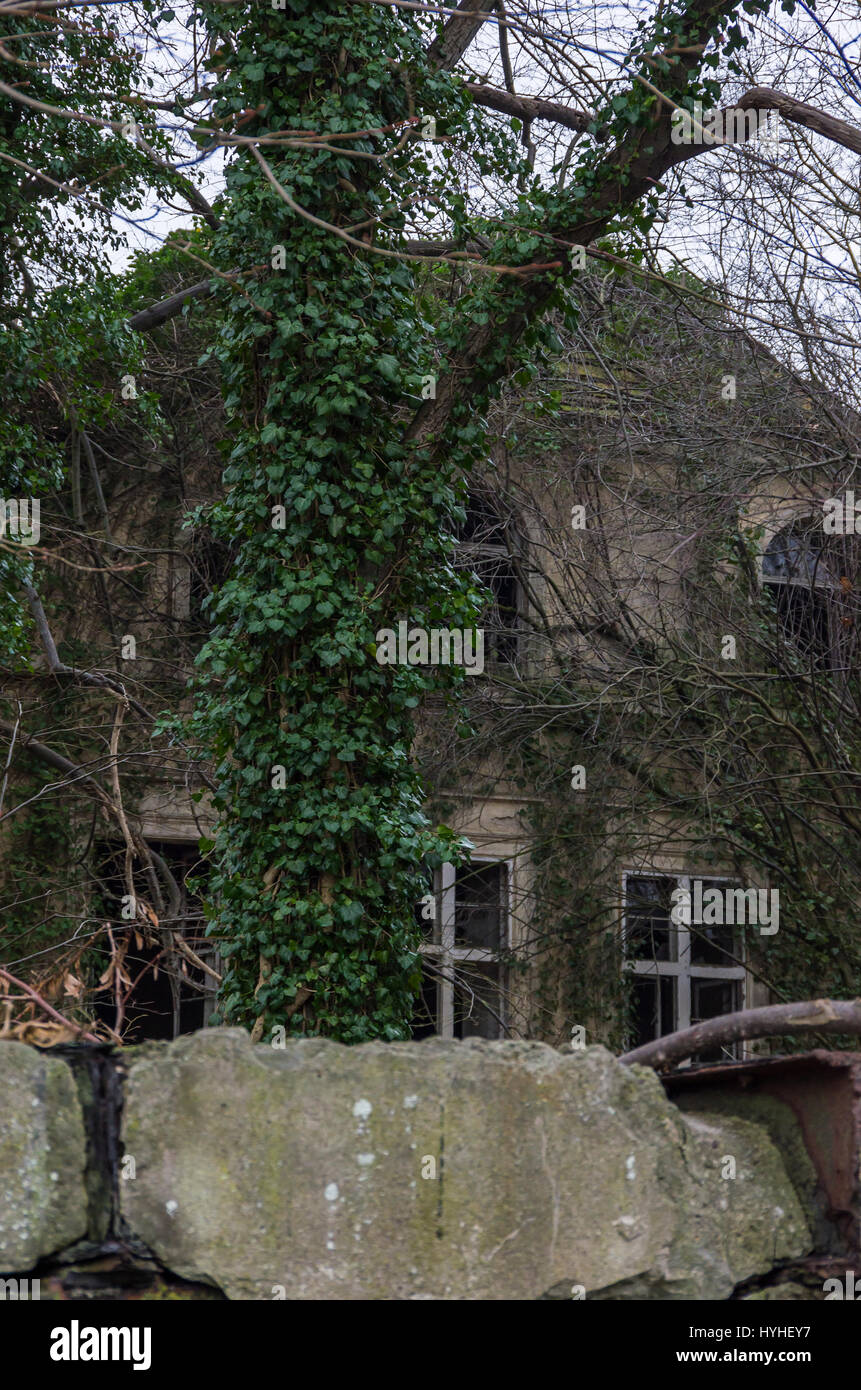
(337, 524)
(341, 480)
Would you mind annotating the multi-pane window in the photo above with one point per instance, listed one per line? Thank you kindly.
(486, 549)
(465, 928)
(682, 973)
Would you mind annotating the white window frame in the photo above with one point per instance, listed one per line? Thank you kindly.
(682, 969)
(447, 955)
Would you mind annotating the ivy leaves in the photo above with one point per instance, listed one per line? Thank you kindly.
(340, 528)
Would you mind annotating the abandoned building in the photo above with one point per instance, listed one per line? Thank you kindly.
(651, 768)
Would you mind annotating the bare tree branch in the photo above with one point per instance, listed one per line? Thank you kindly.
(48, 1008)
(775, 1020)
(147, 319)
(59, 668)
(631, 169)
(767, 99)
(58, 761)
(528, 108)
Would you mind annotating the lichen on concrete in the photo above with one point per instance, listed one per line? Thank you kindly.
(43, 1202)
(453, 1170)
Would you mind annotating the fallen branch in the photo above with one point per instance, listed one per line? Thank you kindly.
(48, 1008)
(774, 1020)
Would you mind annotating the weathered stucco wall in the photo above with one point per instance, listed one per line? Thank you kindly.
(441, 1170)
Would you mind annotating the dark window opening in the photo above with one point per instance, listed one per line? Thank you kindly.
(162, 997)
(209, 561)
(649, 933)
(710, 999)
(798, 581)
(714, 944)
(484, 547)
(477, 1004)
(464, 976)
(480, 905)
(426, 1010)
(654, 1008)
(681, 972)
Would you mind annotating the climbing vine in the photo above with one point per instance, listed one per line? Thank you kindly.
(340, 528)
(340, 521)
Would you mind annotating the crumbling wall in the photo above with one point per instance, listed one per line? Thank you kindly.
(443, 1170)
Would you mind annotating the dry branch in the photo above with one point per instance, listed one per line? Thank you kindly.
(775, 1020)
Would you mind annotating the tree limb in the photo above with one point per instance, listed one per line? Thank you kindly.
(146, 319)
(59, 668)
(840, 132)
(626, 173)
(459, 32)
(767, 99)
(528, 108)
(774, 1020)
(49, 1009)
(61, 763)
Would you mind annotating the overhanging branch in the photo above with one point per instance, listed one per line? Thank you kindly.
(147, 319)
(768, 99)
(528, 108)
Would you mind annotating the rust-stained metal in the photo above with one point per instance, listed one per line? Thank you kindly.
(823, 1091)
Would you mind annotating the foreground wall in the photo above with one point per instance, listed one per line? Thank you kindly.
(443, 1170)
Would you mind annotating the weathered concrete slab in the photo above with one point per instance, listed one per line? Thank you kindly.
(302, 1173)
(43, 1203)
(810, 1104)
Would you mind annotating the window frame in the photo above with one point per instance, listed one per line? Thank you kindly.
(446, 955)
(683, 969)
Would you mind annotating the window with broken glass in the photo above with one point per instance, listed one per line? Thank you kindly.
(682, 974)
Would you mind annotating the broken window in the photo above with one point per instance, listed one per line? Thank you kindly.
(684, 972)
(465, 931)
